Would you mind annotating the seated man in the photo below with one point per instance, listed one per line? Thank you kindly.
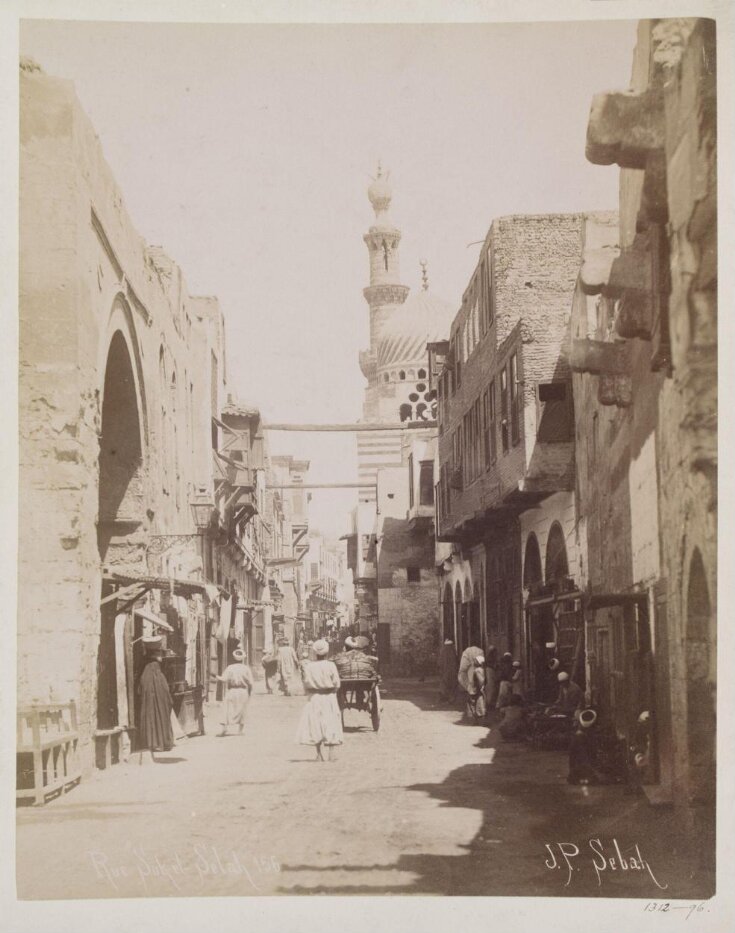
(570, 697)
(513, 724)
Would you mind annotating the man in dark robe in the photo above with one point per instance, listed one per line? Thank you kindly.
(155, 732)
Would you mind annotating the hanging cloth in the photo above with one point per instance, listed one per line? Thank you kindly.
(225, 620)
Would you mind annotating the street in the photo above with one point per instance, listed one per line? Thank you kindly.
(425, 806)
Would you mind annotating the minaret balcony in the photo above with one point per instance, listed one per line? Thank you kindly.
(385, 294)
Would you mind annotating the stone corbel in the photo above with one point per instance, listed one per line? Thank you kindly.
(625, 128)
(631, 281)
(611, 362)
(595, 271)
(599, 357)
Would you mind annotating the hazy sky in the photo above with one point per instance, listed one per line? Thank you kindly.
(246, 151)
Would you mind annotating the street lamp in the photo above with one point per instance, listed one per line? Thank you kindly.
(202, 506)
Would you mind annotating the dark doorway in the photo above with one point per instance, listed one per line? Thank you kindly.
(448, 613)
(701, 686)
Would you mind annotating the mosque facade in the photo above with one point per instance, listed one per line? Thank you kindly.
(392, 534)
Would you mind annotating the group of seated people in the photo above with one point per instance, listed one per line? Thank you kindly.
(517, 721)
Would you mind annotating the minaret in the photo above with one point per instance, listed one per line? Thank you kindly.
(385, 292)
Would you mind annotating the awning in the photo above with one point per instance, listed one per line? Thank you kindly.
(604, 600)
(149, 617)
(180, 587)
(533, 602)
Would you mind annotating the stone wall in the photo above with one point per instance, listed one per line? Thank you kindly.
(647, 466)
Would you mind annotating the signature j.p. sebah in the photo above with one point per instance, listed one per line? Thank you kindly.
(563, 855)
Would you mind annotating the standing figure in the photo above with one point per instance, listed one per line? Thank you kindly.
(516, 681)
(476, 693)
(238, 678)
(491, 672)
(155, 732)
(465, 666)
(288, 665)
(448, 666)
(270, 669)
(321, 720)
(505, 678)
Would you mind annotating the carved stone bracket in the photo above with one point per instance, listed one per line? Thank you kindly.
(625, 128)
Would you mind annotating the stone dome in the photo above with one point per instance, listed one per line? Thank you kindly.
(422, 319)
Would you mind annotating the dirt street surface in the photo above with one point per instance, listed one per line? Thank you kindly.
(425, 806)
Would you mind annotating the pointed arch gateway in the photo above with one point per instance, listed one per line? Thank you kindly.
(121, 506)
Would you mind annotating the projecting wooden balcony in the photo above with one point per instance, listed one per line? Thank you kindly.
(508, 488)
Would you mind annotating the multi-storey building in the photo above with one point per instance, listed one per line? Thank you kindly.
(646, 352)
(288, 511)
(505, 505)
(323, 584)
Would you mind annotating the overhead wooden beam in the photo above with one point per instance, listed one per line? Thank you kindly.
(354, 426)
(324, 486)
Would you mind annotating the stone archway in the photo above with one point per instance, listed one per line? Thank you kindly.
(121, 507)
(701, 674)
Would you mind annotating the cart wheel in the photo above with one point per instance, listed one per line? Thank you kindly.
(375, 708)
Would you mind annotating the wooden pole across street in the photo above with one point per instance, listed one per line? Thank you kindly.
(355, 426)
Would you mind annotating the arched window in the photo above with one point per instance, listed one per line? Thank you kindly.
(557, 566)
(386, 377)
(401, 375)
(406, 412)
(422, 374)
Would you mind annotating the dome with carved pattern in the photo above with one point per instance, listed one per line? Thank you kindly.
(422, 319)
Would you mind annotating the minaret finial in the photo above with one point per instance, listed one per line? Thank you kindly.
(424, 275)
(380, 193)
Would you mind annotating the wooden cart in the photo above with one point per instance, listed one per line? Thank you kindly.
(361, 694)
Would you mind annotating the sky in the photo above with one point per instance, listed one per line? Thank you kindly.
(245, 151)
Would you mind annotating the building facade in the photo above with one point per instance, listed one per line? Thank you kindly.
(646, 352)
(288, 510)
(139, 481)
(509, 564)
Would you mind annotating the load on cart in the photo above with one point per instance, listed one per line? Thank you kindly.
(359, 679)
